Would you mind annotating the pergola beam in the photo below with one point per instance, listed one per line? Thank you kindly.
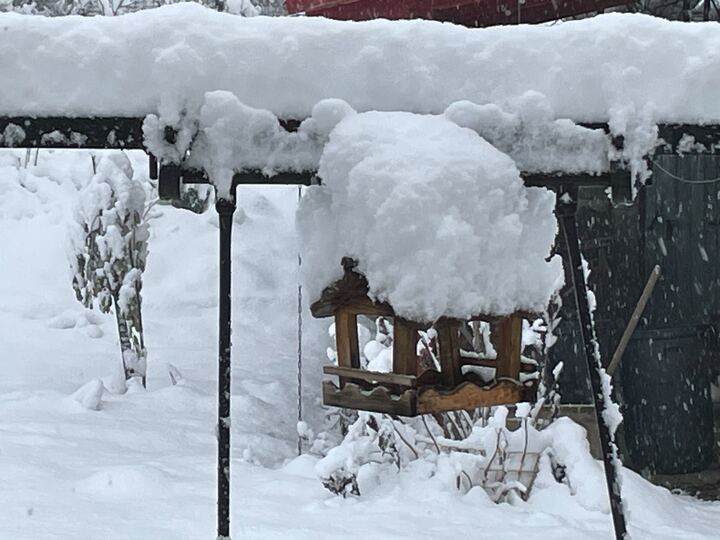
(108, 132)
(120, 132)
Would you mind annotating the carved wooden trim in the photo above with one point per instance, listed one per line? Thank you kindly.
(349, 293)
(379, 399)
(467, 396)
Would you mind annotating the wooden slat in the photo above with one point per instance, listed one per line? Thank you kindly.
(508, 341)
(492, 363)
(468, 396)
(529, 315)
(371, 308)
(449, 351)
(405, 340)
(352, 396)
(371, 376)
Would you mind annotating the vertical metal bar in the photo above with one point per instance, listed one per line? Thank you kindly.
(686, 15)
(225, 209)
(299, 343)
(566, 208)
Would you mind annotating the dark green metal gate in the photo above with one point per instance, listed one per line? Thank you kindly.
(666, 373)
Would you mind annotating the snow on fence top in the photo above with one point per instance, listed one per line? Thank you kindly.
(602, 69)
(438, 219)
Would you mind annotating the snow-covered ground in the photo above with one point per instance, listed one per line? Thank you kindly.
(143, 466)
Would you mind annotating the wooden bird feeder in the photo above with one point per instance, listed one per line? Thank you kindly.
(457, 378)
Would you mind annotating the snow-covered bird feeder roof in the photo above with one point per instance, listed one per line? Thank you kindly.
(438, 219)
(611, 68)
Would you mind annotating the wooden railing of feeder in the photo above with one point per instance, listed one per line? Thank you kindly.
(409, 390)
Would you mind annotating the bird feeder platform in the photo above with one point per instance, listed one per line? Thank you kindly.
(465, 379)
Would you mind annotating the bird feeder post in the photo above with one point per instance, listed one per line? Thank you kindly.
(404, 347)
(566, 208)
(509, 347)
(225, 208)
(448, 332)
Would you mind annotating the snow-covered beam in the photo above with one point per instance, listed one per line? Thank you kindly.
(117, 132)
(688, 139)
(126, 133)
(61, 132)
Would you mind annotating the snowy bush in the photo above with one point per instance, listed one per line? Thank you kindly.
(372, 444)
(502, 461)
(108, 253)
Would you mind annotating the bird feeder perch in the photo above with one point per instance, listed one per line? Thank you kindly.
(465, 379)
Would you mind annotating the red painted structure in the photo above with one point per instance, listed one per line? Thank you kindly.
(465, 12)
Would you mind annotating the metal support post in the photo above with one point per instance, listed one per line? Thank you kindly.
(565, 209)
(225, 209)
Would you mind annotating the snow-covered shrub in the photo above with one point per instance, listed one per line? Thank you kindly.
(108, 241)
(377, 447)
(374, 444)
(273, 8)
(505, 461)
(244, 8)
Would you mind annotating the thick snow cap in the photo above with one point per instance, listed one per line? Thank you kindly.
(606, 68)
(438, 218)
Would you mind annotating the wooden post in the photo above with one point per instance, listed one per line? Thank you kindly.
(346, 338)
(449, 352)
(405, 338)
(346, 335)
(508, 342)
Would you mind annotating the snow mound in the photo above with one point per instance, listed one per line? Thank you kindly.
(585, 475)
(599, 69)
(438, 219)
(302, 466)
(89, 396)
(126, 481)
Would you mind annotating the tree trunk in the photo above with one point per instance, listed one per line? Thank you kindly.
(133, 360)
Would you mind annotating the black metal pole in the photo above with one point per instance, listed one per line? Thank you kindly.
(566, 208)
(225, 209)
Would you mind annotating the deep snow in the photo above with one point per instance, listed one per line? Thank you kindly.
(142, 467)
